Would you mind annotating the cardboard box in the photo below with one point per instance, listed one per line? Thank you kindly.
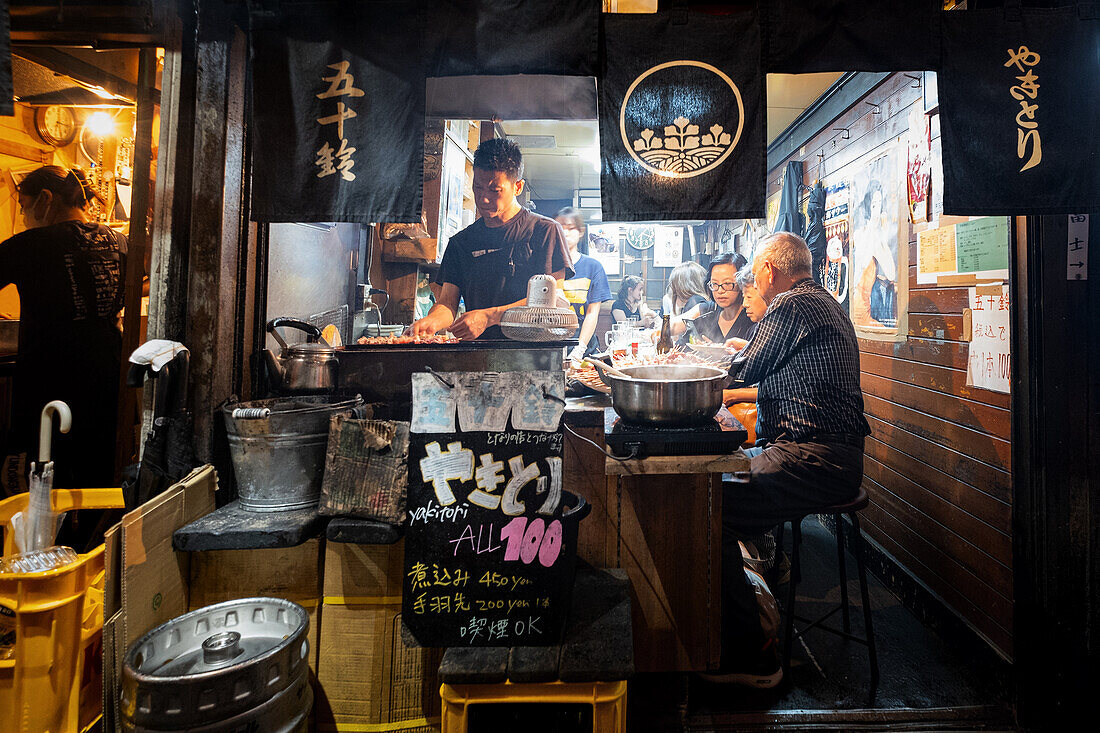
(409, 250)
(293, 573)
(368, 679)
(147, 581)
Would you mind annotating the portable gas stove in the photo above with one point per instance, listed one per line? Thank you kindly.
(709, 439)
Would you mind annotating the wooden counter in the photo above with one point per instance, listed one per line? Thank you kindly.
(660, 520)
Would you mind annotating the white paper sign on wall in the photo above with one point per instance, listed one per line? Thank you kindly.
(990, 362)
(1077, 247)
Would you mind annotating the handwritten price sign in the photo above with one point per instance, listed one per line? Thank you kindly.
(488, 548)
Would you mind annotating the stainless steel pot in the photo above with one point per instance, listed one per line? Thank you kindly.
(672, 394)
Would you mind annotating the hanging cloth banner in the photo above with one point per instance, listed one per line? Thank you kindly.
(790, 218)
(7, 104)
(814, 231)
(1020, 109)
(845, 35)
(488, 37)
(337, 113)
(681, 113)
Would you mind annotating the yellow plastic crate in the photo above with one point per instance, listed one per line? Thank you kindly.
(53, 681)
(608, 701)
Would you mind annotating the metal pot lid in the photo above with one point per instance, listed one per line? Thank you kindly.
(310, 349)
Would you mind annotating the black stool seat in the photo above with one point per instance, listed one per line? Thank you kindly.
(836, 511)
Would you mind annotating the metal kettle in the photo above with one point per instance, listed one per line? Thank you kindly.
(309, 367)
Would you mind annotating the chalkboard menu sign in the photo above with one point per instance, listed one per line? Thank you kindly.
(490, 542)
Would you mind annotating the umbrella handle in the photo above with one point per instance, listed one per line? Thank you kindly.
(65, 420)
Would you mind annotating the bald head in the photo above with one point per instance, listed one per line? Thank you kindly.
(782, 260)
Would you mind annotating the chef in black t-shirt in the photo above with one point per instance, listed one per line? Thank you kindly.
(488, 263)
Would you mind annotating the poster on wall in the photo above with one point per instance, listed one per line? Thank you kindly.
(603, 245)
(918, 173)
(668, 248)
(990, 358)
(880, 252)
(771, 213)
(836, 270)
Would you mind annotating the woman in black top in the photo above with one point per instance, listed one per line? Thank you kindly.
(729, 319)
(630, 302)
(69, 273)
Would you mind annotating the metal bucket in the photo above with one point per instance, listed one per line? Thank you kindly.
(235, 666)
(278, 449)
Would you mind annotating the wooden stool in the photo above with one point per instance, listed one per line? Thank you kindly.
(590, 667)
(836, 511)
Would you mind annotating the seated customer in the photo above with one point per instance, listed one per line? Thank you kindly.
(729, 319)
(630, 304)
(685, 289)
(804, 357)
(755, 307)
(679, 323)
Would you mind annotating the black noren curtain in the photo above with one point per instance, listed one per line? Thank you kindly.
(681, 112)
(488, 37)
(851, 35)
(1020, 111)
(338, 113)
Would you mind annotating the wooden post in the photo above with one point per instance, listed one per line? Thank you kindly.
(218, 235)
(125, 440)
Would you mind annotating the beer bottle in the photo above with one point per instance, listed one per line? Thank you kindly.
(664, 343)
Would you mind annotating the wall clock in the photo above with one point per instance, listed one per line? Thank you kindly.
(56, 125)
(640, 237)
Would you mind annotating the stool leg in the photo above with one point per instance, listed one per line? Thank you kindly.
(796, 541)
(842, 568)
(792, 586)
(857, 550)
(778, 554)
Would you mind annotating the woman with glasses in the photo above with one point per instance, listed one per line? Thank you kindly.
(69, 273)
(729, 319)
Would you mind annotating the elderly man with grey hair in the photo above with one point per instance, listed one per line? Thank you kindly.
(810, 429)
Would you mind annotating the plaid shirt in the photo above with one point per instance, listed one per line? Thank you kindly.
(805, 361)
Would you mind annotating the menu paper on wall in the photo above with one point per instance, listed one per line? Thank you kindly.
(488, 545)
(668, 250)
(990, 363)
(935, 253)
(981, 247)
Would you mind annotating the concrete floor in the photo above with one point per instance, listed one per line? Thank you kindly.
(926, 682)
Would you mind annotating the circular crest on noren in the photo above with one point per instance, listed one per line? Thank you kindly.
(675, 118)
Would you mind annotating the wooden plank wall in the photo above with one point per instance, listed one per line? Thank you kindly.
(937, 464)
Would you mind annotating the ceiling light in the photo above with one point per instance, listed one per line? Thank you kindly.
(100, 124)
